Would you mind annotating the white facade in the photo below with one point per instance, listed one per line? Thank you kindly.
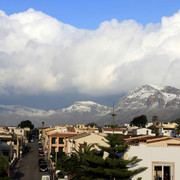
(63, 129)
(158, 159)
(112, 130)
(19, 131)
(167, 131)
(149, 124)
(143, 131)
(89, 139)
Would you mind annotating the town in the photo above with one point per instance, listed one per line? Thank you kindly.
(153, 146)
(89, 90)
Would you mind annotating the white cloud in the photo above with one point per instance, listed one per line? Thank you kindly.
(39, 54)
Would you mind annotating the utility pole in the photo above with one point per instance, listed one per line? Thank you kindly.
(113, 114)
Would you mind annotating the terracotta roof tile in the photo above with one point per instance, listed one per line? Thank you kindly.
(70, 129)
(78, 136)
(64, 135)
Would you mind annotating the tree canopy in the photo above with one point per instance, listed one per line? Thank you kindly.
(154, 129)
(26, 123)
(139, 121)
(176, 121)
(4, 164)
(177, 128)
(88, 163)
(155, 120)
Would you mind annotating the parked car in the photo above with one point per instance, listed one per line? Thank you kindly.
(45, 177)
(41, 161)
(43, 168)
(41, 153)
(40, 148)
(39, 143)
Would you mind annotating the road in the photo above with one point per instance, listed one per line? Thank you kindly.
(29, 169)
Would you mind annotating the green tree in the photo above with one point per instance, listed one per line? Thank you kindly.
(177, 121)
(155, 120)
(139, 121)
(154, 129)
(74, 164)
(177, 129)
(26, 123)
(88, 164)
(4, 164)
(115, 166)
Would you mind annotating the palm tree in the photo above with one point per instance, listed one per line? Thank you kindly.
(155, 120)
(87, 163)
(76, 163)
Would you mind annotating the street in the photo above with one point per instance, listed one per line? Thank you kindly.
(29, 169)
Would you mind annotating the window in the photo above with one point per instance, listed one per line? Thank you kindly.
(53, 140)
(60, 149)
(163, 171)
(61, 141)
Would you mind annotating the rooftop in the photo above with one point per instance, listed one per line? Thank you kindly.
(135, 140)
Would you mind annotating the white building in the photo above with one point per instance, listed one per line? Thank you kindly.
(143, 131)
(159, 154)
(167, 131)
(108, 130)
(78, 140)
(19, 131)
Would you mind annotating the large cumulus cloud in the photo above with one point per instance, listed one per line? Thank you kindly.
(41, 55)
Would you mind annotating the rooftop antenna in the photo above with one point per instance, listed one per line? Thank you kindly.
(113, 114)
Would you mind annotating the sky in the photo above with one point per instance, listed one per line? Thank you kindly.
(53, 53)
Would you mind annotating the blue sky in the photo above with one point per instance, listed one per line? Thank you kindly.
(89, 14)
(62, 51)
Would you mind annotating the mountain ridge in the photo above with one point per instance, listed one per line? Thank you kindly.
(88, 110)
(147, 99)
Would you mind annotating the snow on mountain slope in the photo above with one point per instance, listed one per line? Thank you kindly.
(79, 112)
(23, 110)
(150, 95)
(87, 106)
(79, 106)
(149, 100)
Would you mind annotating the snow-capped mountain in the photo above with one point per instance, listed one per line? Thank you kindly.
(149, 96)
(149, 100)
(23, 110)
(87, 106)
(79, 112)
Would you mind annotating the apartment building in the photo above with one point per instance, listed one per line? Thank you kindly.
(57, 141)
(108, 130)
(81, 128)
(160, 154)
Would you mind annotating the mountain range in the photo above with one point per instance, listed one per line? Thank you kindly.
(149, 100)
